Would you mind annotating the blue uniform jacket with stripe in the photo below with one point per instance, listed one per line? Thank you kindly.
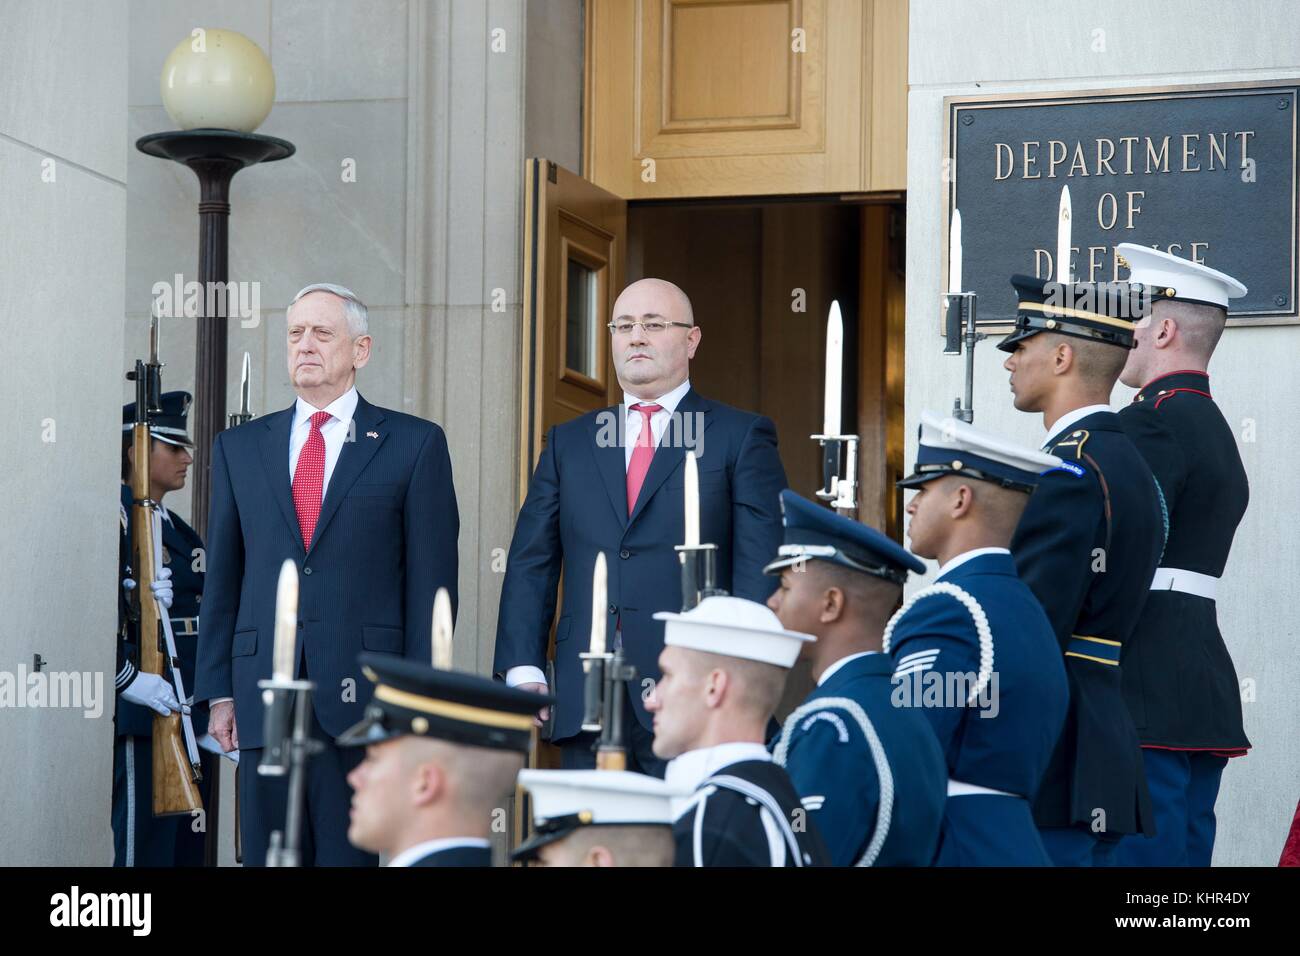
(1004, 692)
(384, 543)
(1087, 546)
(870, 774)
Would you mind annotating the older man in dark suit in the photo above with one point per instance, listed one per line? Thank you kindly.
(613, 481)
(361, 498)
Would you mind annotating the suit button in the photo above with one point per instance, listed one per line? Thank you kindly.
(613, 609)
(306, 570)
(625, 554)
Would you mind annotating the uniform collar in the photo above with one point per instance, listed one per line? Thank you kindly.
(1171, 381)
(695, 766)
(953, 563)
(1070, 419)
(418, 852)
(342, 408)
(839, 665)
(668, 401)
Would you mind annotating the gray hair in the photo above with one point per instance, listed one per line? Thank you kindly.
(357, 314)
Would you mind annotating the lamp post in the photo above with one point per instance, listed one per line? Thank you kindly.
(217, 85)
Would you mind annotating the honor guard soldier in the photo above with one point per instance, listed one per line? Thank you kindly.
(140, 838)
(442, 751)
(1087, 546)
(975, 653)
(870, 774)
(723, 667)
(1178, 678)
(599, 818)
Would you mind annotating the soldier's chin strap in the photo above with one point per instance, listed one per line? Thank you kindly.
(173, 659)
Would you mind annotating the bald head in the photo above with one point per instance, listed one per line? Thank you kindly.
(649, 365)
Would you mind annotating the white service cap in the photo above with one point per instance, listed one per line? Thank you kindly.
(735, 627)
(1190, 281)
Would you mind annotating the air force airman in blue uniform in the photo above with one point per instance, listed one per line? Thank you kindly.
(140, 838)
(974, 652)
(1087, 545)
(1178, 676)
(871, 775)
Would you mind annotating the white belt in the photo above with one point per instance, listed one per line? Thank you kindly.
(1189, 582)
(958, 789)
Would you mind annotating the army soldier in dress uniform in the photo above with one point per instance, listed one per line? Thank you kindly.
(981, 636)
(140, 838)
(599, 818)
(1178, 677)
(870, 774)
(442, 751)
(724, 665)
(1087, 546)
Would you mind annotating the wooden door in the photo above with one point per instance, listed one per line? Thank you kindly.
(690, 98)
(575, 242)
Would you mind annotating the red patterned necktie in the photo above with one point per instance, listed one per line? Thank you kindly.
(309, 478)
(641, 454)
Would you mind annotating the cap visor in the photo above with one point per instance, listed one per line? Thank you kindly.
(526, 852)
(915, 480)
(784, 562)
(367, 731)
(1008, 344)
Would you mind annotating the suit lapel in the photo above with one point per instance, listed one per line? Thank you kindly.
(358, 448)
(672, 448)
(275, 459)
(609, 457)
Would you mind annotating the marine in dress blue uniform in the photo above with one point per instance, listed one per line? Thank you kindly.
(442, 750)
(1087, 545)
(140, 838)
(975, 652)
(723, 669)
(871, 775)
(1178, 678)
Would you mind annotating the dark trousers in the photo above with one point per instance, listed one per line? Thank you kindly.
(579, 753)
(1077, 846)
(323, 837)
(1184, 786)
(140, 838)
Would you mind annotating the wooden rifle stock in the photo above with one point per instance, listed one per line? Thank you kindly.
(175, 789)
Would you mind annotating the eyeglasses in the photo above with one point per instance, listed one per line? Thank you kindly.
(653, 327)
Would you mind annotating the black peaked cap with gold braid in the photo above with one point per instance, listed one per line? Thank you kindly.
(416, 699)
(1099, 311)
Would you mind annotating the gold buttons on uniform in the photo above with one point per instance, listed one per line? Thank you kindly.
(419, 725)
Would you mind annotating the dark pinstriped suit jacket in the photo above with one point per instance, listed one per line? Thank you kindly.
(384, 543)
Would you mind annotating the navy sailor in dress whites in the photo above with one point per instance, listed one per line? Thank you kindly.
(723, 667)
(140, 838)
(442, 752)
(599, 818)
(1087, 546)
(871, 775)
(1178, 678)
(975, 651)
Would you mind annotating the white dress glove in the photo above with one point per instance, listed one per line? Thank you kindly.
(161, 587)
(152, 691)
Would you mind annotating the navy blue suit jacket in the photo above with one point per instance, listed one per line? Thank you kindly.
(577, 505)
(384, 543)
(829, 758)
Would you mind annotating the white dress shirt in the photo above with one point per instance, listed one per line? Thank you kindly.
(1069, 418)
(826, 674)
(527, 673)
(421, 850)
(334, 431)
(965, 556)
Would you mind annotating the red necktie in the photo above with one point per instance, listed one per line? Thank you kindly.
(309, 478)
(641, 454)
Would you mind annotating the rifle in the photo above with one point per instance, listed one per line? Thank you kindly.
(176, 767)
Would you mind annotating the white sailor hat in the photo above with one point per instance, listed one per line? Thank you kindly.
(736, 628)
(566, 800)
(952, 447)
(1172, 277)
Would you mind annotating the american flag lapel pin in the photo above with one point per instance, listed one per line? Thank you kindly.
(372, 434)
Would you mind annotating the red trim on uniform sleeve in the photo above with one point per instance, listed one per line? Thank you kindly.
(1215, 751)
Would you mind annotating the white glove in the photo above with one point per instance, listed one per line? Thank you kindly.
(161, 587)
(209, 743)
(152, 691)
